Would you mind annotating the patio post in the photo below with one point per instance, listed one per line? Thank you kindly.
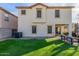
(70, 30)
(61, 30)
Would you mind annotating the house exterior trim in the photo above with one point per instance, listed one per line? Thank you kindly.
(49, 7)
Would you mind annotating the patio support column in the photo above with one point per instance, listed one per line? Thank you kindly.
(62, 29)
(70, 30)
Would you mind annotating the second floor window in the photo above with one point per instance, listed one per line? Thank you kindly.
(57, 13)
(39, 12)
(6, 17)
(23, 12)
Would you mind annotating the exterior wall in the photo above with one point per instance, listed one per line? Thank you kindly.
(4, 33)
(25, 22)
(0, 18)
(7, 26)
(65, 16)
(12, 23)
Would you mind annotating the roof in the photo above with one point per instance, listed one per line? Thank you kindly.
(8, 12)
(44, 5)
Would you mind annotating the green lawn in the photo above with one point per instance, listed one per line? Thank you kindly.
(46, 47)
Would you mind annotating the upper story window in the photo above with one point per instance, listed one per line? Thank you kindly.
(39, 12)
(6, 17)
(23, 12)
(57, 13)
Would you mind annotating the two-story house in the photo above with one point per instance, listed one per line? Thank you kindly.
(40, 20)
(8, 23)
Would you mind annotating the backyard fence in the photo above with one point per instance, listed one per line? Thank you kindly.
(70, 40)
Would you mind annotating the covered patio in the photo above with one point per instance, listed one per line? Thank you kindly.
(63, 28)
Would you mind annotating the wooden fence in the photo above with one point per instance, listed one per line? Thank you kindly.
(70, 40)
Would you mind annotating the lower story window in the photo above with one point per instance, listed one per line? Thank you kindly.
(49, 29)
(34, 30)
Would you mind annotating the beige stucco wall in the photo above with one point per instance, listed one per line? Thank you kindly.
(25, 22)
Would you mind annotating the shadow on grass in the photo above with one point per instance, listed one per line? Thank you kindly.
(65, 47)
(20, 47)
(75, 50)
(61, 48)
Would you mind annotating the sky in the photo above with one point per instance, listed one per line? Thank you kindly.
(11, 7)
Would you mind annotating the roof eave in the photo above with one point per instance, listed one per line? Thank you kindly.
(8, 12)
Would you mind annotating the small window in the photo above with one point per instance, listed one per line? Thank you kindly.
(49, 29)
(23, 12)
(6, 18)
(57, 13)
(39, 13)
(34, 29)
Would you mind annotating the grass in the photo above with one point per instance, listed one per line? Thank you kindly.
(46, 47)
